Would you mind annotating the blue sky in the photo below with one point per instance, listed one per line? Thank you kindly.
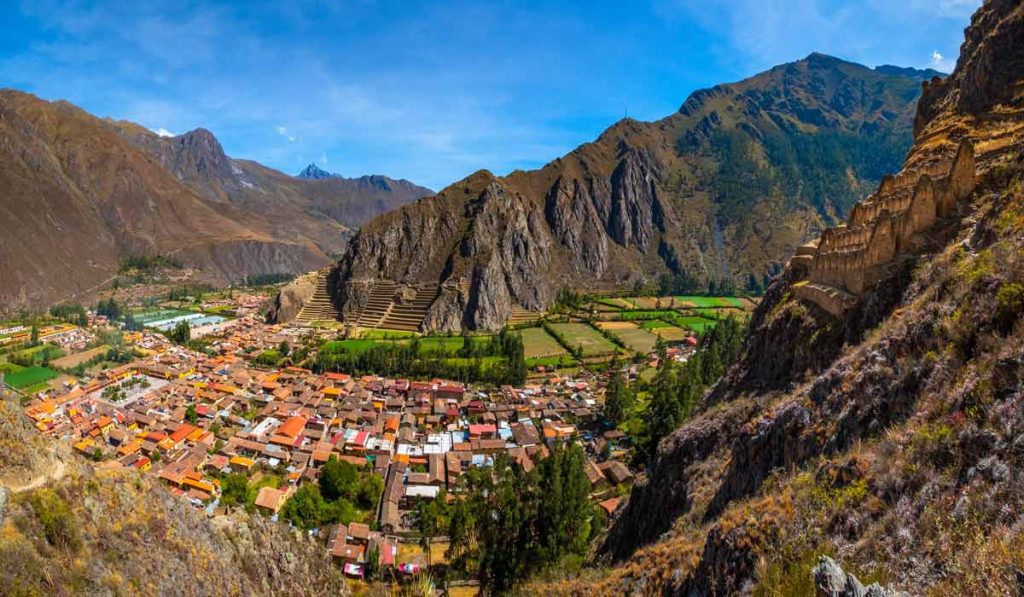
(432, 91)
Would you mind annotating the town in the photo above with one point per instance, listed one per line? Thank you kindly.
(223, 429)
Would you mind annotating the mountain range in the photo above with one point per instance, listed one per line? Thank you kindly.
(718, 195)
(79, 193)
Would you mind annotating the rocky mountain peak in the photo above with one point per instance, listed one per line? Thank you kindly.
(198, 153)
(314, 172)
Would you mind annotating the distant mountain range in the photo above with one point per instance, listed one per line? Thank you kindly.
(719, 193)
(78, 194)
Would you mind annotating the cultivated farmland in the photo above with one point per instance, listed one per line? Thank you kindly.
(30, 376)
(583, 336)
(538, 343)
(636, 339)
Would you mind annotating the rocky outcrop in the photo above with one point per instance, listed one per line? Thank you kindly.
(572, 212)
(643, 200)
(831, 581)
(290, 299)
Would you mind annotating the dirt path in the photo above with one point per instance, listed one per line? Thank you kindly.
(55, 474)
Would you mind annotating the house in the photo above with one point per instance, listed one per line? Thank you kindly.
(270, 498)
(616, 472)
(358, 533)
(596, 476)
(483, 431)
(610, 505)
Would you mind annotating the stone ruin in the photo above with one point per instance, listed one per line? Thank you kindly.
(849, 259)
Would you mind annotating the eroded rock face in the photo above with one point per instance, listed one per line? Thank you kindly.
(572, 214)
(635, 209)
(291, 298)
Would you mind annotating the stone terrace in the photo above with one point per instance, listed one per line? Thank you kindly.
(849, 259)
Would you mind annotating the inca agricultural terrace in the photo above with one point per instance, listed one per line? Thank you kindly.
(849, 259)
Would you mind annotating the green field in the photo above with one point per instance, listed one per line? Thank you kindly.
(565, 360)
(649, 314)
(670, 333)
(374, 334)
(652, 324)
(435, 345)
(712, 301)
(591, 342)
(697, 324)
(636, 339)
(30, 376)
(538, 344)
(429, 345)
(37, 353)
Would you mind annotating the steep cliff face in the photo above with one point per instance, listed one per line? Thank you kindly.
(78, 193)
(887, 436)
(723, 190)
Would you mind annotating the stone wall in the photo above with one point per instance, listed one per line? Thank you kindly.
(851, 258)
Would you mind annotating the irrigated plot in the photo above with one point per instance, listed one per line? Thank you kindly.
(581, 335)
(538, 343)
(654, 302)
(697, 324)
(434, 345)
(667, 332)
(631, 335)
(30, 376)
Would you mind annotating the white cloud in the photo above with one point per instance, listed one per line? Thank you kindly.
(283, 131)
(323, 159)
(940, 62)
(164, 132)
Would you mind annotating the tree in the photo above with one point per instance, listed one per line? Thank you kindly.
(372, 562)
(618, 399)
(35, 335)
(109, 308)
(305, 508)
(284, 348)
(181, 333)
(663, 411)
(431, 520)
(338, 479)
(460, 528)
(234, 490)
(369, 492)
(191, 415)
